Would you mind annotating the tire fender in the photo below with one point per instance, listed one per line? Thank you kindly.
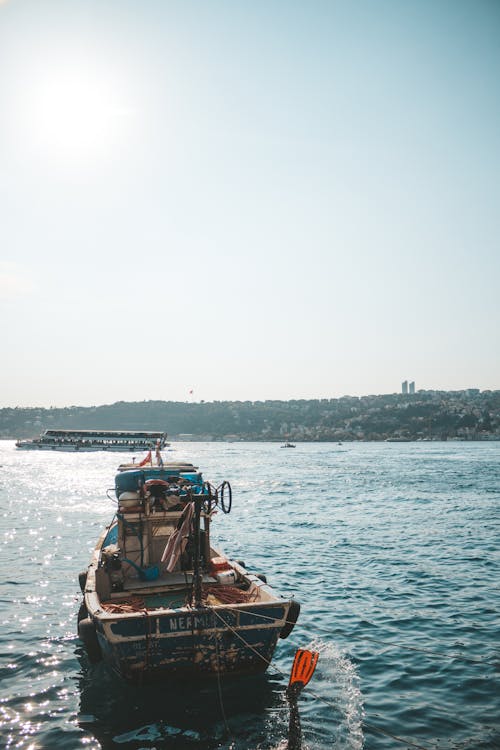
(291, 619)
(87, 634)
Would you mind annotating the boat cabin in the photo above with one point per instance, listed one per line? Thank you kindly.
(161, 540)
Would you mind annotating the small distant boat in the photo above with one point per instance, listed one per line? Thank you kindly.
(288, 445)
(160, 600)
(95, 440)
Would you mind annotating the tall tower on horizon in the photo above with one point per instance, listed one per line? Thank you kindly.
(412, 387)
(404, 387)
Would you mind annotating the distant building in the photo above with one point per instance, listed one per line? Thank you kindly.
(404, 386)
(412, 387)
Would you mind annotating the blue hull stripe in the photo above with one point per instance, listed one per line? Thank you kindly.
(191, 642)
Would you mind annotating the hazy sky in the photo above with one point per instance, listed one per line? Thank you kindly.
(254, 199)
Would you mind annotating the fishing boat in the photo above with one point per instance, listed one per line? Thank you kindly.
(160, 600)
(95, 440)
(288, 445)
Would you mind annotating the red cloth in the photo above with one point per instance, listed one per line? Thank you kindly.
(146, 460)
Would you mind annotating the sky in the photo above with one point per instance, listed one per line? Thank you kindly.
(251, 200)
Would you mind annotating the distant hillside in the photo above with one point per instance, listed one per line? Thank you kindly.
(425, 415)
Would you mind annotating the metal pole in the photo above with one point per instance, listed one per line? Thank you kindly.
(197, 575)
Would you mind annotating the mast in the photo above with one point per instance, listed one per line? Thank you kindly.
(197, 573)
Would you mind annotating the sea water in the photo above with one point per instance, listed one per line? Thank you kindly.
(392, 550)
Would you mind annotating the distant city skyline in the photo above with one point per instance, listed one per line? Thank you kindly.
(249, 202)
(464, 415)
(408, 387)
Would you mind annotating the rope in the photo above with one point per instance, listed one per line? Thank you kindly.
(367, 725)
(269, 663)
(148, 639)
(219, 686)
(375, 728)
(130, 604)
(228, 594)
(392, 644)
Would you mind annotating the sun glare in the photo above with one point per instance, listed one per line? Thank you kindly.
(78, 114)
(15, 281)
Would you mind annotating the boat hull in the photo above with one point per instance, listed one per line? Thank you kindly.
(154, 608)
(203, 642)
(84, 449)
(95, 440)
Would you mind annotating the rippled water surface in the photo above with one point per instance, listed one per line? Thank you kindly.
(392, 549)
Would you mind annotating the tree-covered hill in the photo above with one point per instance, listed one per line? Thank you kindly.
(424, 415)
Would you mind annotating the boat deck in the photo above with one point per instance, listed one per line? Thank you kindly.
(167, 581)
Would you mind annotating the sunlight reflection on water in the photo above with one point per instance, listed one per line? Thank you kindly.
(386, 546)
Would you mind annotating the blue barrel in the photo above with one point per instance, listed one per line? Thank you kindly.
(194, 478)
(129, 481)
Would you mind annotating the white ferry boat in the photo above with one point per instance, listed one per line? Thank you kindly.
(95, 440)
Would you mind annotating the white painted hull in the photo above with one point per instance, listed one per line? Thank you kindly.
(84, 449)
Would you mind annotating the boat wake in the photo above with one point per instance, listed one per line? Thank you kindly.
(336, 682)
(336, 685)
